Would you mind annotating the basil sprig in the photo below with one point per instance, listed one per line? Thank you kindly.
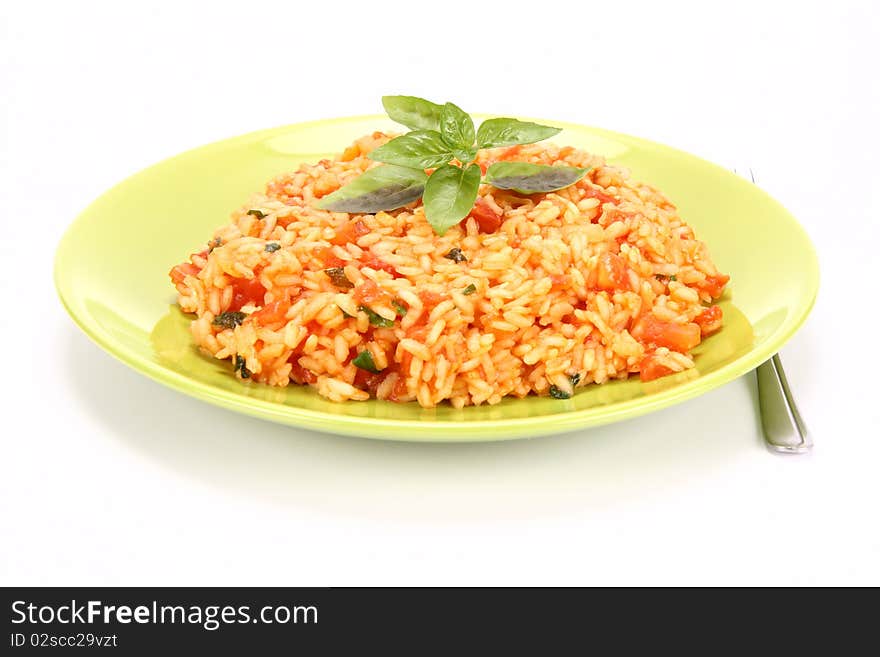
(441, 135)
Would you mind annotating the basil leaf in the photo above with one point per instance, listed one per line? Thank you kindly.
(449, 195)
(376, 319)
(381, 188)
(241, 368)
(364, 361)
(229, 319)
(457, 127)
(415, 113)
(559, 393)
(420, 149)
(456, 255)
(466, 155)
(527, 178)
(510, 132)
(337, 275)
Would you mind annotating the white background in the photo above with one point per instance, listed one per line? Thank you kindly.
(109, 478)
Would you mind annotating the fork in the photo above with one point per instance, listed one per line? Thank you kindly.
(784, 429)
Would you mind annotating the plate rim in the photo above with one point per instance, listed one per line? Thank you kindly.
(426, 430)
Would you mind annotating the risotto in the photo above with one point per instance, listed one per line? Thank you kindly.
(529, 294)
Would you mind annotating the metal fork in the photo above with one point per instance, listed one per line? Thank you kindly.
(784, 429)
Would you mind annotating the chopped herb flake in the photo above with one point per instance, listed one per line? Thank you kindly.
(574, 378)
(376, 319)
(664, 277)
(470, 289)
(272, 247)
(337, 275)
(456, 255)
(229, 320)
(257, 213)
(558, 393)
(399, 307)
(214, 243)
(364, 361)
(240, 367)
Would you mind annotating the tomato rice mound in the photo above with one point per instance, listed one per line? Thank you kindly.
(530, 294)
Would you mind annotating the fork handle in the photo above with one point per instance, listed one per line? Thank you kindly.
(784, 430)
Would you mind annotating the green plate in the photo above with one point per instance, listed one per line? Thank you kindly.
(112, 264)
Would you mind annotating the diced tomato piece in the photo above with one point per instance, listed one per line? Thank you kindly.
(371, 261)
(405, 363)
(313, 328)
(612, 273)
(181, 271)
(350, 232)
(246, 291)
(483, 168)
(370, 382)
(363, 379)
(272, 313)
(325, 254)
(592, 192)
(299, 373)
(399, 391)
(417, 332)
(368, 292)
(487, 219)
(430, 299)
(648, 329)
(709, 320)
(714, 285)
(650, 368)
